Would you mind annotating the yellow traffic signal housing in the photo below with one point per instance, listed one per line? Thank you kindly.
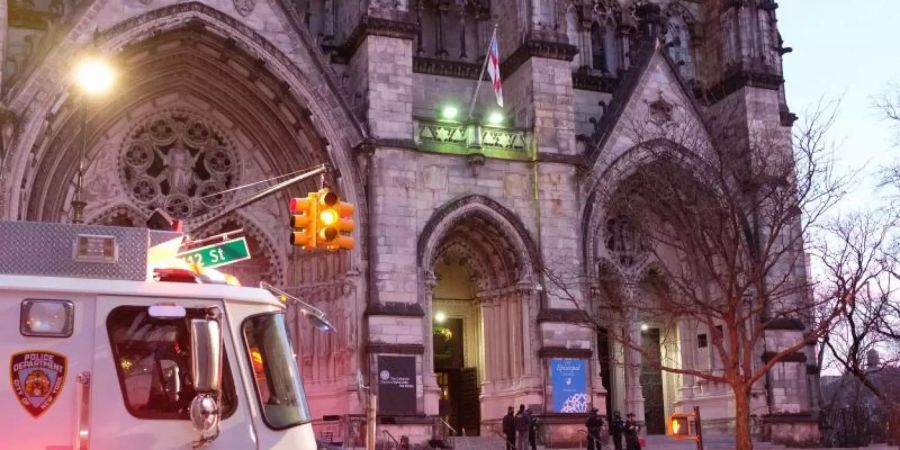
(334, 222)
(304, 221)
(682, 427)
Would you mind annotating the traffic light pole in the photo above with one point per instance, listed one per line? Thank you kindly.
(699, 428)
(261, 195)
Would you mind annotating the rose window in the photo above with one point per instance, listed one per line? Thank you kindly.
(178, 163)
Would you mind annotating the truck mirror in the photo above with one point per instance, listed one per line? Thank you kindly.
(204, 415)
(206, 354)
(206, 371)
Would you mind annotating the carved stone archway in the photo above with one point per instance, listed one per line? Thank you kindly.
(189, 49)
(497, 254)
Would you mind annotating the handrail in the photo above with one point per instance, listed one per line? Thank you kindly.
(447, 425)
(388, 434)
(83, 413)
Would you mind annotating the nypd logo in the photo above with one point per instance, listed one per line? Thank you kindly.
(37, 379)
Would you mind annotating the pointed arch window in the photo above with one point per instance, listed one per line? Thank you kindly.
(598, 47)
(678, 44)
(604, 48)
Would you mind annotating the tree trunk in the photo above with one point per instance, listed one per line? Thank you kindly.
(742, 436)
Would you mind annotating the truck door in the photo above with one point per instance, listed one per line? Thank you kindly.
(278, 403)
(46, 342)
(142, 380)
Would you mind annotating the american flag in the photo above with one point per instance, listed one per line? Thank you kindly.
(493, 68)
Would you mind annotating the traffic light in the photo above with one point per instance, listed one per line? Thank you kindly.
(303, 221)
(681, 427)
(334, 222)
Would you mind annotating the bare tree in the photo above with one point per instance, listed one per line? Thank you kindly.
(889, 105)
(710, 231)
(859, 264)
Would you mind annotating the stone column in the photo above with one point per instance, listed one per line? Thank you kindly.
(514, 318)
(528, 297)
(489, 340)
(687, 343)
(429, 380)
(502, 338)
(634, 396)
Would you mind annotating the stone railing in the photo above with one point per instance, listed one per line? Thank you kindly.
(467, 139)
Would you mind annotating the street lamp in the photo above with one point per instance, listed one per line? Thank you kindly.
(94, 76)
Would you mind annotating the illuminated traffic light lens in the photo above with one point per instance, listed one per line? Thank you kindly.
(328, 217)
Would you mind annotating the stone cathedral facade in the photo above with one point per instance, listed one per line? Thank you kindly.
(443, 306)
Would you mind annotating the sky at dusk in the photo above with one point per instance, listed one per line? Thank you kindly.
(846, 51)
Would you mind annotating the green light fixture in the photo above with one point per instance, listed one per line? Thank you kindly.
(449, 112)
(495, 118)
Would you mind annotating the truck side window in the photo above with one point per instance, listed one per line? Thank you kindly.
(279, 388)
(153, 361)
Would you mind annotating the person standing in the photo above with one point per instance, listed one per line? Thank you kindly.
(523, 423)
(617, 428)
(631, 433)
(532, 430)
(509, 429)
(594, 425)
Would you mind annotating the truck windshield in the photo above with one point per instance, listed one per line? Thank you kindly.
(276, 375)
(153, 361)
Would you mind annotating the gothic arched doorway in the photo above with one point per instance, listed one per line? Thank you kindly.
(483, 305)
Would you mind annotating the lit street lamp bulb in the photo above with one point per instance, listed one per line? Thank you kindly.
(644, 327)
(94, 76)
(440, 317)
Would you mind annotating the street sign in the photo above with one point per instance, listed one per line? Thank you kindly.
(215, 255)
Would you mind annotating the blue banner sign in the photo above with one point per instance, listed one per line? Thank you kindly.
(568, 377)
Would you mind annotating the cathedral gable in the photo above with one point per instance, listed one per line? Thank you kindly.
(654, 103)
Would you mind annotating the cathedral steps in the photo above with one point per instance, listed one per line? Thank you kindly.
(653, 443)
(477, 443)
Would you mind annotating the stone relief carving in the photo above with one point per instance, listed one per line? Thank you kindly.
(104, 185)
(177, 162)
(624, 242)
(244, 7)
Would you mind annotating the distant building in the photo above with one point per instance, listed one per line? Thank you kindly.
(854, 415)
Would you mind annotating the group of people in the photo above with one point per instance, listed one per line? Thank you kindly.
(520, 430)
(618, 429)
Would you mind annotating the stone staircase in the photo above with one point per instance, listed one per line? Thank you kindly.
(477, 443)
(653, 443)
(712, 442)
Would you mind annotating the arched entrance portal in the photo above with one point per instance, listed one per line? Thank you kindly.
(482, 304)
(203, 103)
(635, 254)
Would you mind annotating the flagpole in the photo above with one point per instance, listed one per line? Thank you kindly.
(487, 56)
